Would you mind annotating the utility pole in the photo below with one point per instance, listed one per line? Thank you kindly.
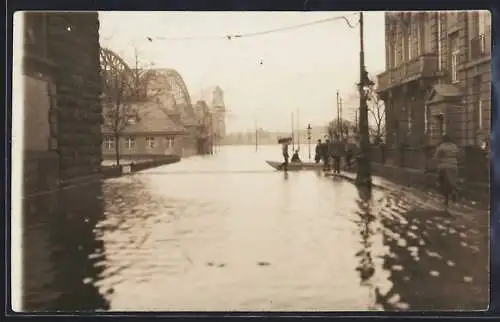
(341, 120)
(293, 135)
(338, 113)
(309, 128)
(363, 177)
(356, 120)
(298, 130)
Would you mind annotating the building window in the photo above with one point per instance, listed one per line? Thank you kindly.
(170, 142)
(427, 34)
(130, 143)
(409, 41)
(481, 21)
(401, 56)
(439, 44)
(454, 66)
(480, 114)
(455, 51)
(109, 143)
(394, 54)
(418, 33)
(410, 120)
(150, 142)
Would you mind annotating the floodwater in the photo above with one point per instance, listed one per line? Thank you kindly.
(229, 233)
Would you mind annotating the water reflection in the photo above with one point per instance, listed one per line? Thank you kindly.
(366, 266)
(59, 253)
(435, 261)
(184, 236)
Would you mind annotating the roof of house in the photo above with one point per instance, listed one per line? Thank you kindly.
(152, 119)
(187, 115)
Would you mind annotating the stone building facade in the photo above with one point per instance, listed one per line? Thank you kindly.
(437, 80)
(61, 155)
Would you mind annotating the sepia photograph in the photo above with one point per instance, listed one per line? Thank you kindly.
(319, 161)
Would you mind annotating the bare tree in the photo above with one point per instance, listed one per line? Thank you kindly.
(376, 109)
(123, 91)
(340, 129)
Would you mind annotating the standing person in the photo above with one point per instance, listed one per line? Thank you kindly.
(336, 153)
(447, 154)
(284, 150)
(325, 153)
(317, 155)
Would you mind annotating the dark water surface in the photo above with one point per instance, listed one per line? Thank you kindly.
(227, 232)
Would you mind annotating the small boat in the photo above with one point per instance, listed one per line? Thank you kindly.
(295, 166)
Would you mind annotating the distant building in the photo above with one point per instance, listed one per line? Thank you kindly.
(165, 122)
(219, 113)
(206, 133)
(437, 78)
(153, 134)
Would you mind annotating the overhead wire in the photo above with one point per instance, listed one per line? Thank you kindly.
(259, 33)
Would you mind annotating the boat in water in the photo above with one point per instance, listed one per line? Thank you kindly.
(296, 166)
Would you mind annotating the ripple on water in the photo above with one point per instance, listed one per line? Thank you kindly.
(268, 247)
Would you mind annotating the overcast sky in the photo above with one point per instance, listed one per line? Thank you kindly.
(301, 68)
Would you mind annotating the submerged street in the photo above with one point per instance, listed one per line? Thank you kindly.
(228, 232)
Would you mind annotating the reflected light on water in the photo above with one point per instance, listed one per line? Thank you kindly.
(227, 232)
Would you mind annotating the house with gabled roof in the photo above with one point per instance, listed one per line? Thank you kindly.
(152, 133)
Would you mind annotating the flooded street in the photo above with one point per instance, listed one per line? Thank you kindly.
(227, 232)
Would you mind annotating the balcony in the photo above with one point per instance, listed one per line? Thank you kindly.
(422, 66)
(480, 46)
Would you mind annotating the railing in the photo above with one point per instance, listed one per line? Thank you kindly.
(481, 45)
(422, 66)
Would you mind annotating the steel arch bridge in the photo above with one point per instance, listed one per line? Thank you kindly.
(170, 78)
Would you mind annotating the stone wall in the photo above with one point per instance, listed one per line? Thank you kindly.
(61, 169)
(73, 43)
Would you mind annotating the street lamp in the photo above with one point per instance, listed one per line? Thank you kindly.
(309, 140)
(363, 177)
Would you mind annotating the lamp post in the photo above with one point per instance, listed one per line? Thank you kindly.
(363, 177)
(309, 140)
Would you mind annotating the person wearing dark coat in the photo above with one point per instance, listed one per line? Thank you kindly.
(295, 157)
(325, 154)
(317, 155)
(284, 150)
(337, 150)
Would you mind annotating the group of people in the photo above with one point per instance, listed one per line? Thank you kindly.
(286, 157)
(446, 155)
(329, 151)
